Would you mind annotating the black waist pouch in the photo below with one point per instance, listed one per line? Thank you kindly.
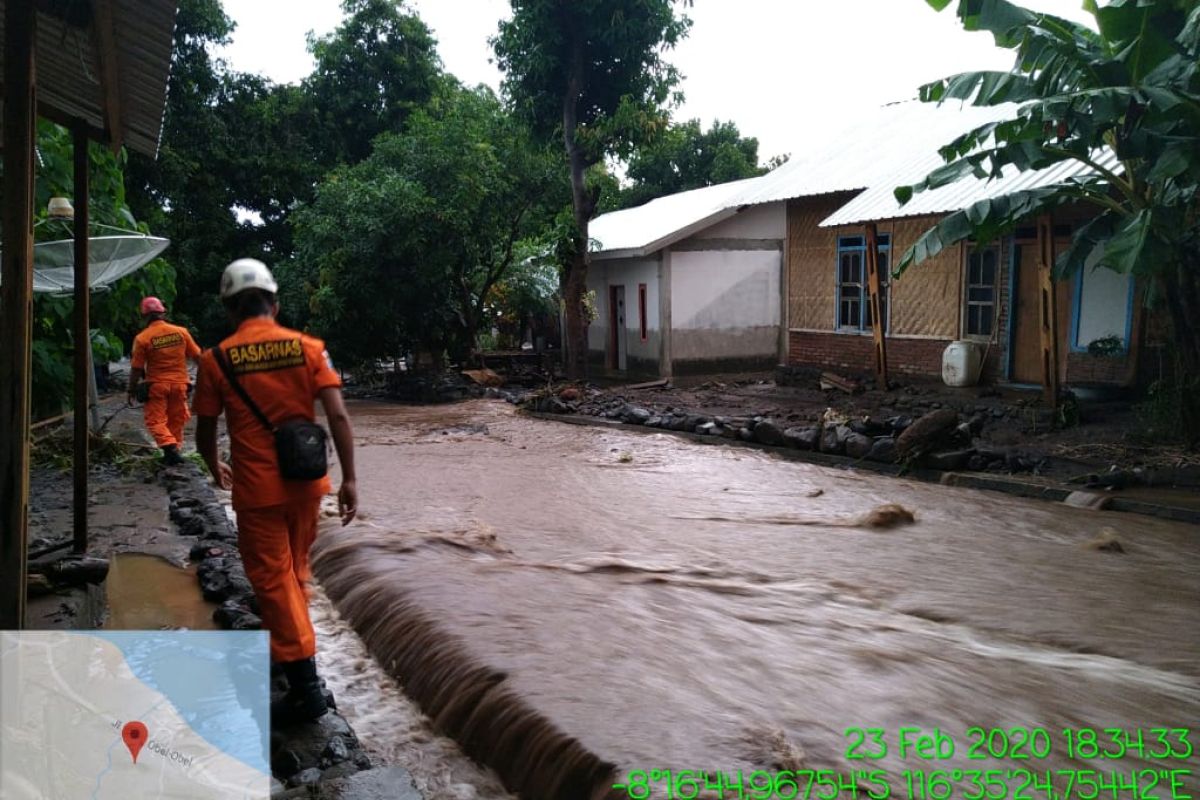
(142, 391)
(302, 448)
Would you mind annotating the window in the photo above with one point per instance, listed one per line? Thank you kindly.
(1103, 309)
(982, 271)
(853, 293)
(642, 310)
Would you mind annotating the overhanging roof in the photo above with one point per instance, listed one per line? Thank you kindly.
(871, 150)
(640, 231)
(896, 145)
(106, 63)
(879, 202)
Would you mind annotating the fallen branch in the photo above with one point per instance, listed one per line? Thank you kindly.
(649, 384)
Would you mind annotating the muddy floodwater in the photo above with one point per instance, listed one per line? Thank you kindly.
(146, 592)
(673, 605)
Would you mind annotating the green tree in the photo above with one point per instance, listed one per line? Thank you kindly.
(371, 73)
(688, 157)
(1124, 100)
(114, 311)
(592, 72)
(405, 248)
(186, 193)
(240, 153)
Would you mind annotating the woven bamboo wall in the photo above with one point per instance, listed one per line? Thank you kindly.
(926, 300)
(812, 262)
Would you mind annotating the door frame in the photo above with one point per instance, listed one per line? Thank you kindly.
(617, 335)
(1014, 287)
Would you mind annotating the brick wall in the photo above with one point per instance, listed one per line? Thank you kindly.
(852, 354)
(1085, 368)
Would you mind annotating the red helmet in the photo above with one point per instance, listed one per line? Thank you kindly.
(152, 305)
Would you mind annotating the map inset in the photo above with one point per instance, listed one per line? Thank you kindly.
(146, 714)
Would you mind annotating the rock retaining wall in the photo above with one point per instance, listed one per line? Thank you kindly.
(314, 759)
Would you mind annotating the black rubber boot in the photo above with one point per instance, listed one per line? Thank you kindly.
(278, 675)
(171, 455)
(305, 698)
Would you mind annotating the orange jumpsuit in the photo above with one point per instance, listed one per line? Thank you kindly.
(162, 351)
(283, 371)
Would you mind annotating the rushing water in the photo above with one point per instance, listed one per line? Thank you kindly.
(680, 606)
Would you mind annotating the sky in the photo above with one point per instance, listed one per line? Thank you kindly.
(780, 69)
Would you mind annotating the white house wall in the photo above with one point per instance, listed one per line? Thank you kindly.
(725, 308)
(641, 356)
(767, 221)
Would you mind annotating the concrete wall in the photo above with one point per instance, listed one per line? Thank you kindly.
(766, 221)
(642, 356)
(725, 308)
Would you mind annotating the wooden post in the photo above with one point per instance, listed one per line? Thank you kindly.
(83, 350)
(876, 305)
(16, 307)
(1047, 309)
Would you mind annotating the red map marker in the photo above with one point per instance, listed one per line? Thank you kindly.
(135, 735)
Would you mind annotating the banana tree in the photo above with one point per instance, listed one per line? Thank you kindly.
(1123, 100)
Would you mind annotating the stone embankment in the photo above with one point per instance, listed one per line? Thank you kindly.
(321, 759)
(940, 438)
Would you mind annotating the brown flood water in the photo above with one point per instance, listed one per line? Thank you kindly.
(147, 593)
(650, 597)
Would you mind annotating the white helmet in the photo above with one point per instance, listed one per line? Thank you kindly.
(247, 273)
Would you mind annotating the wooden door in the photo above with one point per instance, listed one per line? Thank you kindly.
(1026, 340)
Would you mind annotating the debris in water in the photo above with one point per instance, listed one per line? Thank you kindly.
(814, 493)
(781, 753)
(625, 458)
(884, 516)
(484, 377)
(1092, 500)
(1106, 542)
(887, 515)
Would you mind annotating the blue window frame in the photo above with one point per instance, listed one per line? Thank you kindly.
(853, 294)
(1097, 316)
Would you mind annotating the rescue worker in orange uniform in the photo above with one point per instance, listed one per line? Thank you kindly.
(160, 355)
(282, 372)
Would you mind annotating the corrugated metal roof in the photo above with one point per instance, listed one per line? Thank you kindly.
(68, 68)
(868, 152)
(879, 202)
(896, 146)
(648, 228)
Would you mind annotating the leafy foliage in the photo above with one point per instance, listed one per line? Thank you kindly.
(240, 153)
(687, 157)
(591, 72)
(114, 311)
(410, 243)
(1123, 101)
(378, 67)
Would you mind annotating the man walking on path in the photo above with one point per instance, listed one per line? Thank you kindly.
(264, 377)
(160, 355)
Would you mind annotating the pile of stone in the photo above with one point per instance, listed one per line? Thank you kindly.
(431, 387)
(940, 438)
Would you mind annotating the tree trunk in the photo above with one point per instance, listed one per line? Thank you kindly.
(575, 336)
(575, 281)
(1183, 302)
